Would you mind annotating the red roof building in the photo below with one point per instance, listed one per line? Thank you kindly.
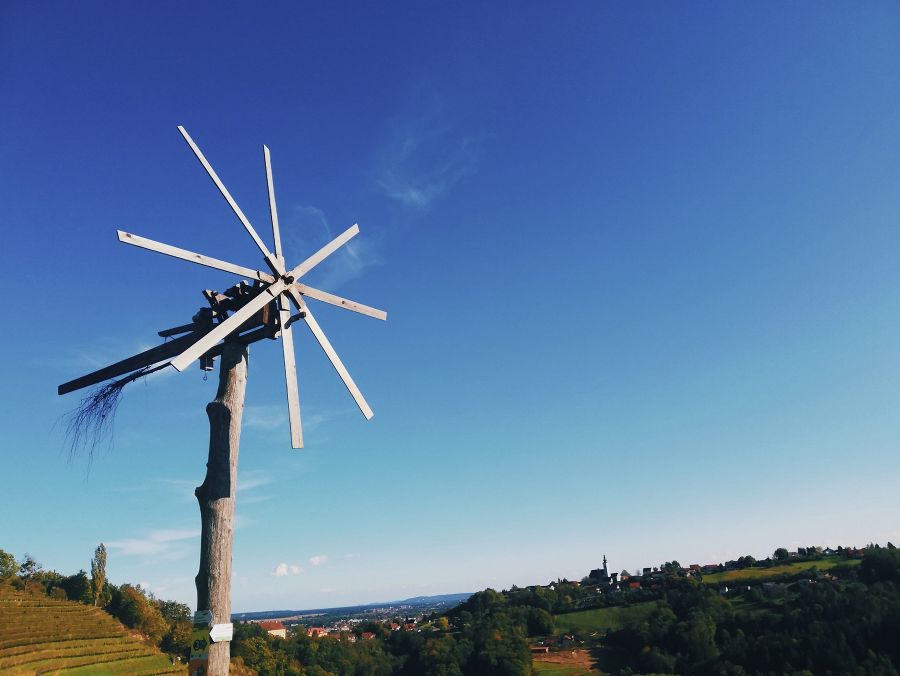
(274, 628)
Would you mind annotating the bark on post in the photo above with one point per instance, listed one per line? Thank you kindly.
(216, 497)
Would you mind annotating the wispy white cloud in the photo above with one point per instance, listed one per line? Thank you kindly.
(318, 560)
(265, 417)
(183, 488)
(251, 479)
(312, 421)
(255, 499)
(166, 544)
(242, 520)
(285, 569)
(306, 229)
(425, 157)
(327, 590)
(274, 417)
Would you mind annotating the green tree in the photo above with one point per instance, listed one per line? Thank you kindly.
(77, 587)
(439, 657)
(178, 618)
(98, 573)
(135, 610)
(698, 636)
(178, 638)
(256, 653)
(173, 610)
(28, 569)
(781, 554)
(8, 565)
(539, 622)
(880, 565)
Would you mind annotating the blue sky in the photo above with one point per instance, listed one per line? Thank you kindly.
(641, 264)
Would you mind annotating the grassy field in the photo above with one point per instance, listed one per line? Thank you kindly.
(758, 574)
(551, 669)
(48, 636)
(601, 619)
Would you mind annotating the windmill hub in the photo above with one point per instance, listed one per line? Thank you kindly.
(246, 312)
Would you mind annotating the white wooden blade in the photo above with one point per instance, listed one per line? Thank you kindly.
(326, 297)
(325, 252)
(272, 208)
(290, 373)
(184, 254)
(223, 329)
(227, 195)
(331, 354)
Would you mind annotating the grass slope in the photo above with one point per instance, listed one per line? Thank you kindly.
(759, 574)
(601, 619)
(48, 636)
(551, 669)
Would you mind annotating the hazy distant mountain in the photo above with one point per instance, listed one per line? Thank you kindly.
(427, 600)
(440, 599)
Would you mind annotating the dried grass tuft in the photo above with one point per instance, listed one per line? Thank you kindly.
(91, 422)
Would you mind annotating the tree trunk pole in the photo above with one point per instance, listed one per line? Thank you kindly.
(216, 497)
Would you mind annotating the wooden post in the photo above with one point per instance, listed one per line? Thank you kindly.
(216, 497)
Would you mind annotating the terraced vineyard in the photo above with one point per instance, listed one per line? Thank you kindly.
(40, 635)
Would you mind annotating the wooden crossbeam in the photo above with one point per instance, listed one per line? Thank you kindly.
(330, 353)
(146, 358)
(324, 252)
(176, 330)
(270, 259)
(192, 257)
(345, 303)
(262, 324)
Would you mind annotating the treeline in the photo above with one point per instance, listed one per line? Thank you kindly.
(849, 625)
(564, 596)
(486, 635)
(845, 621)
(165, 624)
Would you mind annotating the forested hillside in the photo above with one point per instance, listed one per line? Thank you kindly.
(844, 624)
(797, 619)
(822, 614)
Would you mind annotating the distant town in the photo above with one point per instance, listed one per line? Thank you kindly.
(809, 610)
(341, 622)
(599, 586)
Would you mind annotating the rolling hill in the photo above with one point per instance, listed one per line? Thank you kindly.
(42, 635)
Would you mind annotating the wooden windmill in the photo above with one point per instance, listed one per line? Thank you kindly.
(243, 314)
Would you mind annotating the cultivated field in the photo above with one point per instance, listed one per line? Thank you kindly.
(601, 619)
(757, 574)
(565, 663)
(48, 636)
